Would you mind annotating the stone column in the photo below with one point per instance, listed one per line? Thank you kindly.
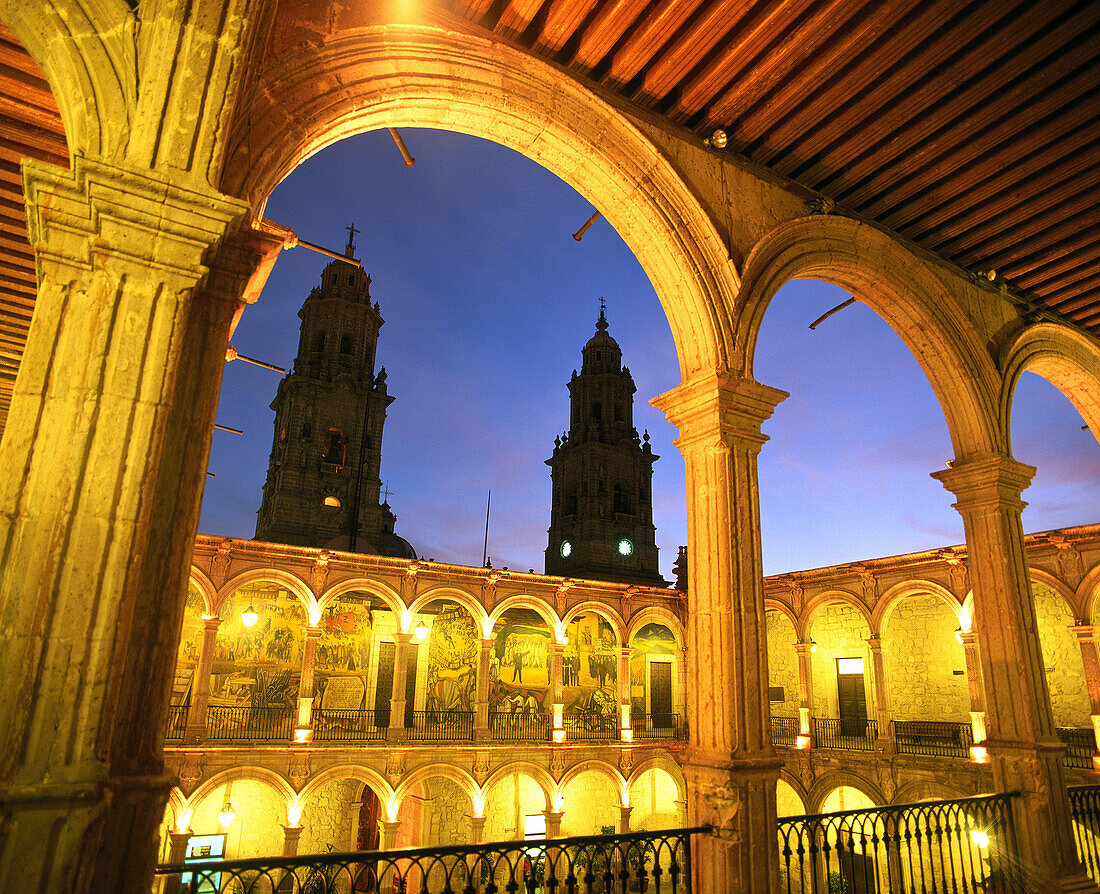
(477, 828)
(1086, 638)
(624, 819)
(105, 450)
(177, 853)
(387, 841)
(557, 659)
(400, 676)
(1024, 751)
(625, 722)
(196, 717)
(291, 834)
(805, 693)
(977, 693)
(730, 764)
(881, 685)
(481, 722)
(304, 730)
(553, 822)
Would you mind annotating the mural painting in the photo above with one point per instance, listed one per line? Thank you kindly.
(452, 660)
(190, 645)
(259, 666)
(342, 660)
(651, 641)
(590, 671)
(519, 664)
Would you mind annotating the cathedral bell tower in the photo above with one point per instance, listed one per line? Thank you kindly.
(601, 517)
(323, 485)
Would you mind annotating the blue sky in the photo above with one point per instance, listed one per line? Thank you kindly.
(488, 300)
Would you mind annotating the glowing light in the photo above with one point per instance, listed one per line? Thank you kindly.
(487, 628)
(559, 735)
(959, 636)
(626, 796)
(293, 814)
(183, 821)
(558, 802)
(301, 736)
(314, 615)
(978, 754)
(479, 805)
(813, 647)
(227, 815)
(718, 139)
(626, 735)
(406, 620)
(560, 635)
(332, 501)
(421, 631)
(802, 742)
(980, 838)
(965, 620)
(249, 616)
(392, 808)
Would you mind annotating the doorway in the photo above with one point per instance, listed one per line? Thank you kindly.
(851, 696)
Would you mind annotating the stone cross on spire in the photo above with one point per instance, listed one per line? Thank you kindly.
(350, 249)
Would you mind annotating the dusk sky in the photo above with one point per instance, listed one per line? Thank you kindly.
(488, 301)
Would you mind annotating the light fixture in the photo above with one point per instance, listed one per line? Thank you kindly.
(980, 838)
(227, 815)
(813, 647)
(959, 635)
(183, 821)
(249, 616)
(421, 631)
(294, 814)
(718, 139)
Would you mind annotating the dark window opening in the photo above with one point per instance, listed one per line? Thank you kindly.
(335, 447)
(345, 344)
(597, 411)
(319, 342)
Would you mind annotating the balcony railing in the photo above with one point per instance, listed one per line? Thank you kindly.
(330, 725)
(933, 737)
(1080, 747)
(441, 726)
(177, 723)
(591, 726)
(248, 724)
(657, 862)
(965, 845)
(1084, 807)
(648, 727)
(853, 735)
(507, 726)
(785, 731)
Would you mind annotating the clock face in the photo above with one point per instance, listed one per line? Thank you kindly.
(566, 549)
(625, 547)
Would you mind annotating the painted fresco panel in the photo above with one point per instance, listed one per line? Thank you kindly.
(651, 640)
(590, 668)
(342, 661)
(452, 660)
(519, 663)
(190, 645)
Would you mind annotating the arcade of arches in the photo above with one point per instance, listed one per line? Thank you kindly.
(149, 246)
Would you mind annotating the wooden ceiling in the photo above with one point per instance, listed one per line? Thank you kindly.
(972, 129)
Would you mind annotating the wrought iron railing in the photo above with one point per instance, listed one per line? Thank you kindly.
(785, 731)
(1084, 807)
(248, 724)
(505, 726)
(854, 735)
(440, 726)
(934, 737)
(655, 862)
(966, 845)
(591, 726)
(1080, 747)
(332, 725)
(177, 723)
(648, 727)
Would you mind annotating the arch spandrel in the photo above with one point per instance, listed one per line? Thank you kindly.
(456, 775)
(656, 614)
(830, 597)
(468, 601)
(418, 76)
(525, 768)
(906, 292)
(290, 582)
(900, 591)
(604, 611)
(205, 586)
(375, 781)
(363, 585)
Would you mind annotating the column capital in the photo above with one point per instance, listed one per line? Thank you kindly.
(969, 638)
(986, 483)
(211, 624)
(402, 639)
(312, 631)
(1085, 633)
(718, 408)
(874, 642)
(804, 647)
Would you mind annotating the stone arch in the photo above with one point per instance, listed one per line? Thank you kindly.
(787, 792)
(420, 76)
(204, 585)
(467, 600)
(926, 789)
(543, 608)
(1059, 586)
(827, 784)
(781, 629)
(1066, 358)
(778, 605)
(292, 582)
(1088, 594)
(362, 585)
(656, 614)
(821, 600)
(902, 289)
(889, 600)
(604, 611)
(245, 773)
(594, 765)
(177, 803)
(539, 774)
(88, 59)
(661, 762)
(375, 781)
(456, 775)
(796, 786)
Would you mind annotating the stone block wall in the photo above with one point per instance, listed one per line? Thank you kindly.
(507, 802)
(256, 830)
(591, 803)
(653, 796)
(330, 817)
(840, 631)
(1069, 694)
(445, 811)
(782, 663)
(922, 661)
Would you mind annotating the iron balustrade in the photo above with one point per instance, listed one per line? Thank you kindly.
(1080, 747)
(520, 726)
(853, 735)
(332, 725)
(591, 726)
(1084, 807)
(785, 731)
(933, 737)
(648, 727)
(963, 846)
(440, 726)
(655, 862)
(177, 723)
(226, 723)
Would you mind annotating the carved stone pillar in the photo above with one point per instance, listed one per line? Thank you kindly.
(805, 693)
(977, 693)
(1086, 638)
(731, 767)
(400, 677)
(481, 722)
(105, 450)
(624, 819)
(557, 660)
(291, 834)
(882, 694)
(553, 822)
(1024, 750)
(477, 828)
(304, 730)
(177, 853)
(625, 724)
(196, 717)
